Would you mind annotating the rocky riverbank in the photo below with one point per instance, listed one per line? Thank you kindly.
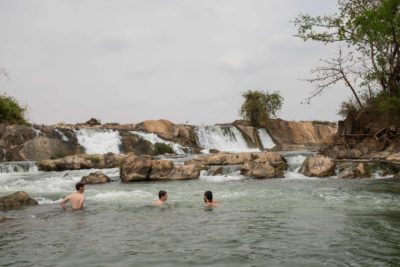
(40, 142)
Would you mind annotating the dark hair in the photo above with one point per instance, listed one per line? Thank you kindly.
(79, 185)
(208, 195)
(161, 193)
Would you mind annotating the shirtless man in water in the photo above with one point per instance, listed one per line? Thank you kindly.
(162, 198)
(77, 199)
(208, 200)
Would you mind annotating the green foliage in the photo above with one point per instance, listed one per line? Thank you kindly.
(388, 108)
(369, 30)
(161, 148)
(94, 159)
(10, 111)
(259, 106)
(58, 155)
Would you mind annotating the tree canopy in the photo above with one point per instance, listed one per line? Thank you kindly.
(259, 106)
(10, 111)
(368, 62)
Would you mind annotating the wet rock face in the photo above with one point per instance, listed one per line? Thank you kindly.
(354, 170)
(261, 170)
(16, 201)
(95, 178)
(318, 166)
(82, 161)
(132, 143)
(144, 168)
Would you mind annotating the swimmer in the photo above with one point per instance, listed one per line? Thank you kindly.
(162, 198)
(208, 200)
(77, 199)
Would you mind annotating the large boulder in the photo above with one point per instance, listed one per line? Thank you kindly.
(16, 200)
(163, 128)
(96, 178)
(145, 168)
(93, 122)
(250, 134)
(275, 159)
(132, 143)
(318, 166)
(394, 157)
(261, 170)
(354, 170)
(82, 161)
(40, 148)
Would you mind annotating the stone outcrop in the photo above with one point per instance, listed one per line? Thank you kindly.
(354, 170)
(16, 201)
(144, 168)
(132, 143)
(294, 135)
(82, 161)
(318, 166)
(250, 134)
(275, 159)
(93, 122)
(261, 170)
(96, 178)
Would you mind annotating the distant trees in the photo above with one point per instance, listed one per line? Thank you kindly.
(368, 62)
(259, 106)
(10, 110)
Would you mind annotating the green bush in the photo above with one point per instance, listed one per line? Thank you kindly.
(58, 155)
(259, 106)
(94, 159)
(11, 112)
(161, 148)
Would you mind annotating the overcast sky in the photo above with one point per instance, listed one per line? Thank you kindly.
(182, 60)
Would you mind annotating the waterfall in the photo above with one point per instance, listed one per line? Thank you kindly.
(18, 167)
(99, 141)
(221, 137)
(153, 138)
(265, 138)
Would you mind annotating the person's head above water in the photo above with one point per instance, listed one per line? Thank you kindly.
(208, 196)
(162, 195)
(80, 187)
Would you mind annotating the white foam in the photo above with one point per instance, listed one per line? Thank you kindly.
(235, 176)
(222, 138)
(122, 195)
(265, 138)
(18, 167)
(154, 138)
(99, 141)
(63, 136)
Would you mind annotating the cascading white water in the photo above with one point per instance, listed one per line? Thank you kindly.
(63, 136)
(99, 141)
(265, 138)
(18, 167)
(223, 138)
(153, 138)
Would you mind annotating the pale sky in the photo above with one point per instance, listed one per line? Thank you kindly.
(183, 60)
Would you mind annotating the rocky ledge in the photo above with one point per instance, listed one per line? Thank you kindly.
(145, 168)
(82, 161)
(17, 200)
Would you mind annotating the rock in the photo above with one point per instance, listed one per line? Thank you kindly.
(250, 134)
(16, 200)
(274, 159)
(394, 157)
(397, 176)
(260, 170)
(41, 148)
(136, 169)
(163, 128)
(144, 168)
(95, 178)
(82, 161)
(318, 166)
(214, 151)
(93, 122)
(353, 170)
(132, 143)
(217, 171)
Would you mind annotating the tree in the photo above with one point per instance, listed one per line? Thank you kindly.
(259, 106)
(369, 63)
(10, 110)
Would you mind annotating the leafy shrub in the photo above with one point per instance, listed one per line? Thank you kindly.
(58, 155)
(11, 112)
(161, 148)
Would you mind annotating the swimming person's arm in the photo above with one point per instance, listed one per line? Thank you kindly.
(63, 201)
